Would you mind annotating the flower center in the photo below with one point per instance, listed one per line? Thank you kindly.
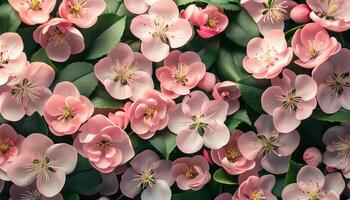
(191, 173)
(330, 8)
(104, 143)
(267, 56)
(4, 147)
(274, 12)
(68, 113)
(213, 22)
(337, 82)
(146, 178)
(161, 28)
(35, 4)
(233, 154)
(180, 73)
(268, 144)
(59, 36)
(343, 146)
(25, 92)
(124, 75)
(316, 195)
(31, 195)
(198, 122)
(258, 194)
(76, 7)
(290, 100)
(3, 60)
(149, 112)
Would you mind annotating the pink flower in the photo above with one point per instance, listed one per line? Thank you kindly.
(337, 139)
(289, 100)
(104, 144)
(312, 184)
(193, 14)
(229, 92)
(230, 158)
(333, 15)
(12, 59)
(82, 13)
(124, 73)
(27, 93)
(333, 79)
(138, 6)
(300, 13)
(150, 113)
(66, 109)
(224, 196)
(181, 72)
(267, 57)
(191, 173)
(198, 121)
(33, 11)
(10, 148)
(256, 188)
(30, 192)
(44, 162)
(269, 15)
(207, 82)
(60, 39)
(313, 45)
(149, 174)
(312, 156)
(271, 147)
(120, 117)
(161, 28)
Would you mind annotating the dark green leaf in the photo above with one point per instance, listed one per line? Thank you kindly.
(292, 173)
(209, 53)
(184, 2)
(203, 194)
(102, 102)
(228, 67)
(341, 116)
(31, 124)
(71, 196)
(139, 144)
(239, 117)
(112, 6)
(222, 177)
(26, 34)
(41, 56)
(9, 19)
(164, 142)
(252, 96)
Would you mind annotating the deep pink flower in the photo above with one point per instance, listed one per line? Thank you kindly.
(230, 158)
(267, 57)
(312, 184)
(181, 72)
(229, 92)
(105, 144)
(44, 162)
(33, 11)
(256, 188)
(82, 13)
(120, 117)
(207, 82)
(60, 39)
(161, 29)
(269, 15)
(334, 15)
(300, 13)
(30, 192)
(312, 156)
(272, 148)
(191, 173)
(193, 14)
(138, 6)
(66, 109)
(27, 93)
(148, 174)
(333, 79)
(289, 100)
(313, 45)
(150, 113)
(198, 121)
(124, 73)
(12, 59)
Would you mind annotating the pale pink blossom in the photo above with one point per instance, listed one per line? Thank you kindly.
(124, 73)
(148, 174)
(256, 188)
(66, 109)
(12, 59)
(290, 100)
(30, 192)
(193, 14)
(272, 148)
(43, 162)
(224, 196)
(229, 92)
(105, 144)
(312, 184)
(33, 11)
(150, 113)
(181, 72)
(198, 121)
(333, 79)
(269, 15)
(207, 82)
(313, 46)
(120, 116)
(334, 15)
(267, 57)
(138, 6)
(312, 156)
(161, 29)
(191, 173)
(60, 39)
(230, 158)
(27, 93)
(300, 13)
(82, 13)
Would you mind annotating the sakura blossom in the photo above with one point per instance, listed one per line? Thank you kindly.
(312, 156)
(30, 192)
(229, 92)
(138, 7)
(301, 13)
(256, 188)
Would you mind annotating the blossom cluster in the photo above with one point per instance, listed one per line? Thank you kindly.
(173, 122)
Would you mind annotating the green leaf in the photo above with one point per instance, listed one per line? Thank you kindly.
(184, 2)
(81, 74)
(292, 173)
(102, 102)
(239, 117)
(252, 96)
(112, 6)
(9, 19)
(106, 41)
(341, 116)
(222, 177)
(164, 142)
(41, 56)
(203, 194)
(26, 34)
(71, 196)
(242, 28)
(228, 67)
(139, 144)
(31, 124)
(209, 53)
